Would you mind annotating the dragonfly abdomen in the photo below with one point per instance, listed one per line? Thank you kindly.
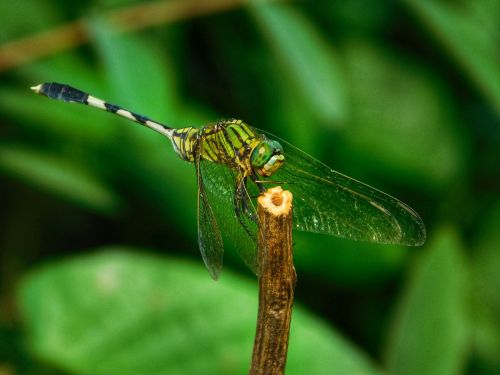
(66, 93)
(184, 141)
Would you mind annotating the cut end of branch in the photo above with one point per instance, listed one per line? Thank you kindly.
(276, 282)
(276, 201)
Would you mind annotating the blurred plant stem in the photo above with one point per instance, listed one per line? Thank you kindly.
(76, 33)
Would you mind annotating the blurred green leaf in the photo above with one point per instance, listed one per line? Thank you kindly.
(146, 85)
(59, 176)
(401, 114)
(486, 298)
(68, 68)
(138, 72)
(347, 262)
(15, 357)
(306, 60)
(295, 125)
(120, 313)
(469, 31)
(429, 335)
(40, 116)
(356, 16)
(20, 19)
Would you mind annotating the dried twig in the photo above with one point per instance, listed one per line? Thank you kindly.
(276, 282)
(74, 34)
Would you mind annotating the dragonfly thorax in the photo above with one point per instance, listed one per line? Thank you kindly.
(267, 157)
(232, 143)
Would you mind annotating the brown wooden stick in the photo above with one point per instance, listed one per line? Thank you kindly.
(276, 282)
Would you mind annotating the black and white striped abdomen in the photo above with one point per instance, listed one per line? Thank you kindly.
(67, 93)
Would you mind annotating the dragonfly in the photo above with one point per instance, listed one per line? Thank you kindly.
(234, 162)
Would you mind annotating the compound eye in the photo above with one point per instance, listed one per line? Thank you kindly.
(261, 154)
(267, 157)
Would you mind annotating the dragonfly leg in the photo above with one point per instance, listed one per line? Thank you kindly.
(273, 182)
(260, 183)
(239, 215)
(243, 204)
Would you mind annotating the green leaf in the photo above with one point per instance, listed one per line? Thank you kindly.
(486, 284)
(306, 59)
(71, 69)
(347, 262)
(122, 313)
(67, 122)
(402, 113)
(19, 20)
(469, 31)
(15, 357)
(429, 335)
(138, 71)
(142, 80)
(289, 117)
(59, 176)
(355, 17)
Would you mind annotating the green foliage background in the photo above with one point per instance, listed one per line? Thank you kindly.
(99, 268)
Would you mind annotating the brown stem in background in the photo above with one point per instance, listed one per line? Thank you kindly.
(276, 282)
(74, 34)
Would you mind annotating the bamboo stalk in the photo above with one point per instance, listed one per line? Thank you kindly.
(276, 282)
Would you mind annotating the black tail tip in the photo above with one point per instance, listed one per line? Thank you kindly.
(60, 91)
(38, 88)
(48, 89)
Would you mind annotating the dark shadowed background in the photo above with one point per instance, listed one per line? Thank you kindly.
(100, 271)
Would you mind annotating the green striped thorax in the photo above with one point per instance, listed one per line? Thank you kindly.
(267, 157)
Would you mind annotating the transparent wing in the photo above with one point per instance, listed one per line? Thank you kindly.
(209, 236)
(220, 183)
(326, 201)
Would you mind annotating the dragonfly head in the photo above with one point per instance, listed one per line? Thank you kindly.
(267, 157)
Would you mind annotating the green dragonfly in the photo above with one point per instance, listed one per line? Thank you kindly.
(234, 162)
